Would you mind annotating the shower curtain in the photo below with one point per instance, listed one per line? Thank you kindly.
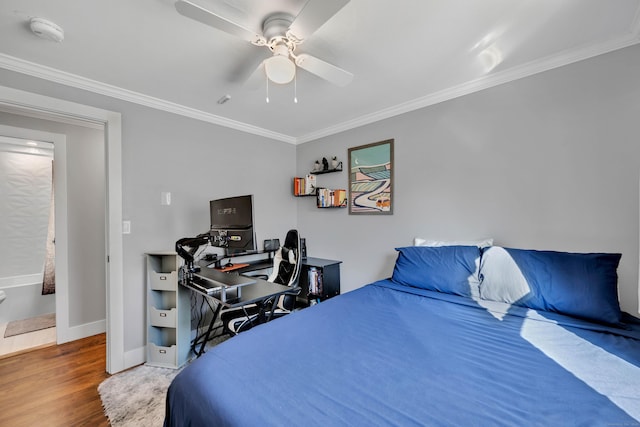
(49, 279)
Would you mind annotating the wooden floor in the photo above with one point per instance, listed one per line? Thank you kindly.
(54, 386)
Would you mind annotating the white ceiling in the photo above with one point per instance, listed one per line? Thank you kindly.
(405, 54)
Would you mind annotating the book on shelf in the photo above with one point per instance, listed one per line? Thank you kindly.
(304, 186)
(309, 184)
(331, 198)
(315, 281)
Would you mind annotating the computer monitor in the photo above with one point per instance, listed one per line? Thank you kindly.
(232, 224)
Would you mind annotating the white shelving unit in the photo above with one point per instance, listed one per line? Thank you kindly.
(168, 312)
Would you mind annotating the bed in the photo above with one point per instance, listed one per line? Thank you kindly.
(459, 335)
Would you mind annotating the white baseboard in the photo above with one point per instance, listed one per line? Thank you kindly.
(132, 358)
(81, 331)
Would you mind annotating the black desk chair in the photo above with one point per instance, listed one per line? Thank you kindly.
(286, 271)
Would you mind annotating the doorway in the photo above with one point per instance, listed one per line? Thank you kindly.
(30, 104)
(27, 226)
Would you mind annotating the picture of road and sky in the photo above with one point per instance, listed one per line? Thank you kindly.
(371, 177)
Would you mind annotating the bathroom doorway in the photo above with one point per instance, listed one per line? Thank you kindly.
(80, 196)
(62, 111)
(27, 230)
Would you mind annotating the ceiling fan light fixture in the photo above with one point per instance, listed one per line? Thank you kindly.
(280, 69)
(281, 34)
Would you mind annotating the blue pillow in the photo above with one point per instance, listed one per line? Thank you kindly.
(449, 269)
(577, 284)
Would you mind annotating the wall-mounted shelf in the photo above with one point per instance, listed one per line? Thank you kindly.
(325, 197)
(325, 171)
(331, 198)
(303, 187)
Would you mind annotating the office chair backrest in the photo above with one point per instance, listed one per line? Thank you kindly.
(286, 271)
(287, 260)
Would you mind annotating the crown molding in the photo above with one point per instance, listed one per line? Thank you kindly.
(32, 69)
(554, 61)
(491, 80)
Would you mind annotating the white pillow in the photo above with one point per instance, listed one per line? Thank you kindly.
(479, 243)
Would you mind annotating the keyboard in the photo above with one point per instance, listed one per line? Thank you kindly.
(208, 289)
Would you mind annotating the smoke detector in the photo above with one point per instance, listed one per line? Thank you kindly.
(46, 29)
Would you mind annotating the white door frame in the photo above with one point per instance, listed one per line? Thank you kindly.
(59, 142)
(53, 109)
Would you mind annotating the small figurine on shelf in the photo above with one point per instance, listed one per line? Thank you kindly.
(325, 164)
(334, 162)
(316, 166)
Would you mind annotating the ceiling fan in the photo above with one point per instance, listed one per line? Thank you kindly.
(281, 34)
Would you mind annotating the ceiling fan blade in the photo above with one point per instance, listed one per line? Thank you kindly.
(313, 15)
(244, 70)
(323, 69)
(200, 14)
(257, 78)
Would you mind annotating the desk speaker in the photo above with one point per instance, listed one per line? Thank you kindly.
(271, 245)
(303, 248)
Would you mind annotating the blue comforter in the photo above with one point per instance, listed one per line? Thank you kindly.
(387, 354)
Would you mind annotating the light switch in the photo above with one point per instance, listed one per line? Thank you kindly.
(165, 198)
(126, 227)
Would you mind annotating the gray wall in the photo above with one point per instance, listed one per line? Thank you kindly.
(85, 212)
(196, 162)
(548, 162)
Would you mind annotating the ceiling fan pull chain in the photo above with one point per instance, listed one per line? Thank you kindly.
(295, 88)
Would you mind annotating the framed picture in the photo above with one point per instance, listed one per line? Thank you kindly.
(371, 179)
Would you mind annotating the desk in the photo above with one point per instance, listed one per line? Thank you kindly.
(220, 285)
(258, 264)
(237, 291)
(241, 267)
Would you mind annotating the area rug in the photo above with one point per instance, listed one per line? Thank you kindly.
(136, 397)
(18, 327)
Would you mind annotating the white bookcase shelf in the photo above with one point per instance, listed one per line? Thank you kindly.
(168, 312)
